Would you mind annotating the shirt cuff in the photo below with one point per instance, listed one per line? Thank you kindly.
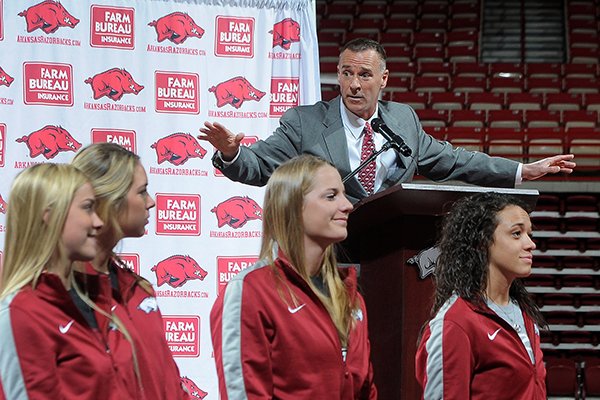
(518, 178)
(228, 163)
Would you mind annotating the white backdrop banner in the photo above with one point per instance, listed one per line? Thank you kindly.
(146, 75)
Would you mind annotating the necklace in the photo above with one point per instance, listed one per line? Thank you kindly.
(511, 319)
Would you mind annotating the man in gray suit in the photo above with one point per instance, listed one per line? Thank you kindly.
(335, 131)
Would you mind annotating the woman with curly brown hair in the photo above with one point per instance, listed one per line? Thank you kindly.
(483, 339)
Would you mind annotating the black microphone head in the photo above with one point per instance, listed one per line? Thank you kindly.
(376, 124)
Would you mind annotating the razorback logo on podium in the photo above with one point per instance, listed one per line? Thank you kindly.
(234, 36)
(237, 211)
(48, 84)
(3, 205)
(2, 144)
(122, 137)
(48, 16)
(193, 389)
(5, 78)
(176, 270)
(235, 91)
(285, 32)
(177, 148)
(49, 141)
(112, 27)
(113, 83)
(176, 27)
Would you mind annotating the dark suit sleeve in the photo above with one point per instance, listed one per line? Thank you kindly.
(256, 163)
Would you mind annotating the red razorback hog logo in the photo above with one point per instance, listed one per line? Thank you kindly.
(177, 270)
(236, 211)
(5, 79)
(193, 389)
(235, 91)
(48, 16)
(176, 27)
(285, 32)
(177, 148)
(49, 141)
(113, 83)
(3, 205)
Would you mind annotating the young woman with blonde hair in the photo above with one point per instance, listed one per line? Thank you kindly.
(48, 349)
(293, 326)
(123, 202)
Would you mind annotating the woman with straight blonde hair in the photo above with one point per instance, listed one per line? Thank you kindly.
(293, 326)
(48, 350)
(123, 202)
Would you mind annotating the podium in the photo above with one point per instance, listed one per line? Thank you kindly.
(385, 232)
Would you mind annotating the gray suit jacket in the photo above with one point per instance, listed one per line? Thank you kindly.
(317, 129)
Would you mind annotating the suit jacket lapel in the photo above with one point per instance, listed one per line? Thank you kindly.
(337, 146)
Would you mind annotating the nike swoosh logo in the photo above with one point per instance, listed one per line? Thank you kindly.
(493, 335)
(295, 310)
(64, 329)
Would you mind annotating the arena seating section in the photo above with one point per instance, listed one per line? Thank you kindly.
(516, 110)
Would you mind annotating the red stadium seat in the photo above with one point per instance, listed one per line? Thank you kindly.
(466, 137)
(429, 39)
(583, 39)
(429, 54)
(433, 10)
(447, 101)
(403, 10)
(399, 84)
(543, 70)
(592, 101)
(465, 10)
(460, 23)
(505, 119)
(582, 203)
(462, 54)
(433, 118)
(543, 85)
(581, 85)
(435, 69)
(399, 54)
(544, 142)
(563, 101)
(401, 24)
(471, 70)
(468, 84)
(580, 70)
(524, 101)
(430, 84)
(579, 119)
(561, 377)
(506, 85)
(417, 100)
(372, 10)
(433, 24)
(542, 119)
(399, 68)
(583, 54)
(462, 38)
(506, 142)
(585, 144)
(341, 10)
(395, 39)
(582, 25)
(467, 118)
(485, 101)
(507, 70)
(368, 26)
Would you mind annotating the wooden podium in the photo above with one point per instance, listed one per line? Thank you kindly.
(385, 231)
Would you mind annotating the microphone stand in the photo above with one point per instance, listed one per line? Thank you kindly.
(373, 156)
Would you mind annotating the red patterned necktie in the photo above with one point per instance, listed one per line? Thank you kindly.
(366, 176)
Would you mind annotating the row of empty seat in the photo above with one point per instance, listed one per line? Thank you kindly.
(575, 378)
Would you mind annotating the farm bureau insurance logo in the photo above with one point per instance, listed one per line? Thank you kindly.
(182, 334)
(49, 141)
(178, 214)
(177, 92)
(234, 36)
(48, 16)
(48, 84)
(122, 137)
(112, 27)
(2, 144)
(284, 95)
(131, 261)
(228, 267)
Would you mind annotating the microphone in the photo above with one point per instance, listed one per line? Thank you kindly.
(396, 141)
